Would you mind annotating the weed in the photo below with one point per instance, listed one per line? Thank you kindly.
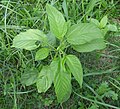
(99, 66)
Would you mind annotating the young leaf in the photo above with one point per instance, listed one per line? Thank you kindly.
(103, 22)
(96, 44)
(42, 54)
(112, 27)
(57, 22)
(27, 40)
(83, 33)
(75, 67)
(44, 79)
(29, 76)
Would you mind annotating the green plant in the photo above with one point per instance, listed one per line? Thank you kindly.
(82, 37)
(105, 91)
(103, 25)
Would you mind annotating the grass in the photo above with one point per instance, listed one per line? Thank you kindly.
(99, 66)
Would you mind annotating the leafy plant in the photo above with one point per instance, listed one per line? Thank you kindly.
(82, 37)
(103, 24)
(105, 91)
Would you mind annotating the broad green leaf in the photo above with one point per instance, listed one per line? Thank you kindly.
(27, 40)
(95, 21)
(29, 76)
(75, 67)
(42, 54)
(103, 22)
(112, 27)
(57, 22)
(62, 84)
(45, 79)
(96, 44)
(83, 33)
